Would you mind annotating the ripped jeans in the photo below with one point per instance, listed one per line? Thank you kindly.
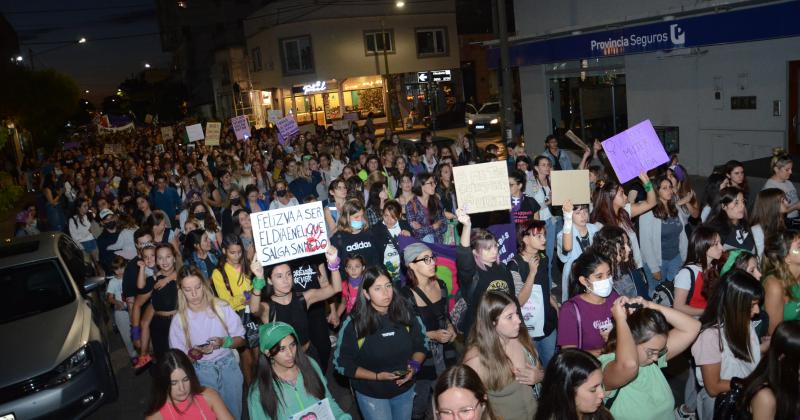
(395, 408)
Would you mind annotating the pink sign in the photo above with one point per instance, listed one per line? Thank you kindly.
(635, 150)
(241, 127)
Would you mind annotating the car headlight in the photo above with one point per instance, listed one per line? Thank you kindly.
(469, 122)
(75, 364)
(493, 121)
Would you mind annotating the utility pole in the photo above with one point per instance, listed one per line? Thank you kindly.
(506, 102)
(30, 55)
(389, 85)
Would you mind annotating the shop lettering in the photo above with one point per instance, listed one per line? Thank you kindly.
(317, 86)
(633, 40)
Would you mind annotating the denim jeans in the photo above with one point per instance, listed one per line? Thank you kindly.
(552, 227)
(395, 408)
(225, 377)
(546, 347)
(670, 268)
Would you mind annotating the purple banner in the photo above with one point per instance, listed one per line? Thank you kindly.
(635, 150)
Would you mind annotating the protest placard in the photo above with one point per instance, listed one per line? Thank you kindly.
(341, 125)
(287, 126)
(166, 133)
(212, 133)
(289, 233)
(575, 139)
(273, 115)
(308, 128)
(241, 127)
(570, 185)
(350, 116)
(483, 187)
(635, 150)
(195, 132)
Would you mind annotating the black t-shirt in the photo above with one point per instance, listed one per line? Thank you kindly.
(129, 277)
(739, 237)
(362, 243)
(305, 274)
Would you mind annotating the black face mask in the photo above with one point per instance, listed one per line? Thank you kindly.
(111, 225)
(200, 216)
(280, 193)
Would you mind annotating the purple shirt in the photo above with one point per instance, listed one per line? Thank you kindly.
(204, 325)
(593, 319)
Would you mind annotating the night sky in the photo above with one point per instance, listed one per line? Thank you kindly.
(98, 65)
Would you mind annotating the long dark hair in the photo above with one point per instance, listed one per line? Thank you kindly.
(729, 310)
(604, 207)
(584, 266)
(644, 324)
(269, 383)
(565, 373)
(365, 317)
(464, 377)
(701, 240)
(172, 360)
(434, 206)
(664, 210)
(729, 167)
(767, 211)
(230, 240)
(778, 370)
(719, 218)
(610, 242)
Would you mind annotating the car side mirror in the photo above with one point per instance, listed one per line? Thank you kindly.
(93, 283)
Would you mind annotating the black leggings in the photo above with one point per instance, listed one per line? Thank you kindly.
(159, 334)
(319, 335)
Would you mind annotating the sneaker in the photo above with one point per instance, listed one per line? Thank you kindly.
(680, 414)
(142, 363)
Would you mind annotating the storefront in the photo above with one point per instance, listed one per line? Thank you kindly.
(316, 101)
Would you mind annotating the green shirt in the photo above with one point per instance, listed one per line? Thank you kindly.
(791, 309)
(294, 399)
(648, 393)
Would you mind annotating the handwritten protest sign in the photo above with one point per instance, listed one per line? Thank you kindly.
(483, 187)
(575, 139)
(308, 128)
(287, 126)
(166, 133)
(570, 185)
(289, 233)
(241, 127)
(273, 115)
(350, 116)
(212, 133)
(341, 125)
(195, 132)
(635, 150)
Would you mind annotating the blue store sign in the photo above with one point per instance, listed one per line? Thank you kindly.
(753, 24)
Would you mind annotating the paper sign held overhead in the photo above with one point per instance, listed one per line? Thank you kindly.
(287, 126)
(289, 233)
(273, 115)
(212, 133)
(341, 125)
(570, 185)
(575, 139)
(166, 133)
(483, 187)
(635, 150)
(241, 127)
(195, 132)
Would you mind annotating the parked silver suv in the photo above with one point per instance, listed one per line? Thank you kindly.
(55, 361)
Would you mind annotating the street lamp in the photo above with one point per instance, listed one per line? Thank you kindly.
(147, 65)
(82, 40)
(18, 58)
(400, 4)
(86, 91)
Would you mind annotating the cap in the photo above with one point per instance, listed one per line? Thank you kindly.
(412, 251)
(105, 213)
(271, 334)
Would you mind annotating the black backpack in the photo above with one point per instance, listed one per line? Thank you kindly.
(665, 292)
(727, 406)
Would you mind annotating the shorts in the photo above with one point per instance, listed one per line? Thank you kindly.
(89, 246)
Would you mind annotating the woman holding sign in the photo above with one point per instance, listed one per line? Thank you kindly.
(288, 383)
(282, 304)
(664, 242)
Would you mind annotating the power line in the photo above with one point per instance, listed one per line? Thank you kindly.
(85, 9)
(90, 40)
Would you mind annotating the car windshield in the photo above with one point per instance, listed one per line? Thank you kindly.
(31, 289)
(490, 109)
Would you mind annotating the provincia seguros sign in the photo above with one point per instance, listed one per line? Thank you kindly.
(675, 38)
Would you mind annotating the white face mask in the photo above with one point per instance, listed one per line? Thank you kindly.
(394, 230)
(602, 288)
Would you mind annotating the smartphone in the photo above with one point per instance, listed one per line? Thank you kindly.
(400, 372)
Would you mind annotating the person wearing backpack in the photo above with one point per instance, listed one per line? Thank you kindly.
(381, 347)
(645, 336)
(728, 345)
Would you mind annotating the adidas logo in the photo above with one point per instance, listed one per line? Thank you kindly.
(358, 245)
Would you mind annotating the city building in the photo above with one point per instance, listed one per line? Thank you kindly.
(718, 79)
(328, 61)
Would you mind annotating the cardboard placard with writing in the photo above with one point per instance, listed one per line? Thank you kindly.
(195, 132)
(167, 133)
(483, 187)
(341, 125)
(635, 150)
(241, 127)
(289, 233)
(212, 133)
(308, 128)
(287, 126)
(575, 139)
(570, 185)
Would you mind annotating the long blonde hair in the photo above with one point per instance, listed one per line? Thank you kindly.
(499, 370)
(349, 208)
(214, 303)
(776, 248)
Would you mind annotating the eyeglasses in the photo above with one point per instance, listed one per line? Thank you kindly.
(428, 259)
(657, 353)
(464, 413)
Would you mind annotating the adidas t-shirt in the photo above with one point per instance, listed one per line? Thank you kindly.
(362, 243)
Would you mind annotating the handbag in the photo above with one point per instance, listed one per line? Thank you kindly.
(459, 312)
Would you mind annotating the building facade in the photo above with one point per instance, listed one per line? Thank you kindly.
(718, 79)
(324, 62)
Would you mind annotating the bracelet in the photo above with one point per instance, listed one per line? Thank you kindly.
(648, 186)
(415, 366)
(259, 283)
(227, 342)
(335, 265)
(136, 332)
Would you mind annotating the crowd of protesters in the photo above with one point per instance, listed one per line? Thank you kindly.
(599, 297)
